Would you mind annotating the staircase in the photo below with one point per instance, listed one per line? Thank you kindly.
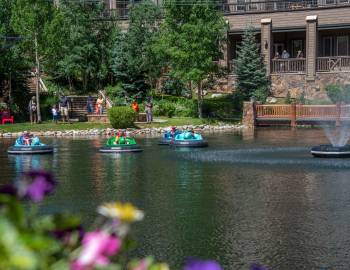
(78, 107)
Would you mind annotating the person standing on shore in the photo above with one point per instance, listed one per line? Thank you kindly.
(33, 113)
(148, 110)
(63, 105)
(99, 104)
(90, 105)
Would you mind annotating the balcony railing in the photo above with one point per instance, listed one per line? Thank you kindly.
(291, 65)
(333, 64)
(252, 6)
(244, 6)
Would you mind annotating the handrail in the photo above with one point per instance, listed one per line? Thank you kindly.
(333, 63)
(290, 65)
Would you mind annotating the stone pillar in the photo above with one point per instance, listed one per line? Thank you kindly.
(266, 43)
(293, 115)
(112, 4)
(249, 114)
(311, 47)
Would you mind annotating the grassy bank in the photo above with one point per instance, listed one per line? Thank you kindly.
(49, 126)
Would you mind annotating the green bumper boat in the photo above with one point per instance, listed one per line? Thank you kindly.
(124, 145)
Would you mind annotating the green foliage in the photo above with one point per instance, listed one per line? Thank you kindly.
(334, 92)
(132, 60)
(47, 101)
(250, 69)
(173, 86)
(288, 98)
(78, 46)
(164, 108)
(190, 39)
(301, 99)
(121, 117)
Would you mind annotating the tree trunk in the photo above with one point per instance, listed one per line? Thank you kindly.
(200, 100)
(37, 73)
(10, 87)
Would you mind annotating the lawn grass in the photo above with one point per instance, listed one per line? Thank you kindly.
(159, 122)
(49, 126)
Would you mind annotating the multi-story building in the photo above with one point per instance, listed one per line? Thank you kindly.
(314, 33)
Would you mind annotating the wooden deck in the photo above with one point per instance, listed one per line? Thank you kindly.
(294, 114)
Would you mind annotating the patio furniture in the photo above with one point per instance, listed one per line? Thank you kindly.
(6, 117)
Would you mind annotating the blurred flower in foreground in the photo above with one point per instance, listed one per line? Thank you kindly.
(34, 185)
(147, 264)
(196, 264)
(97, 246)
(255, 266)
(124, 212)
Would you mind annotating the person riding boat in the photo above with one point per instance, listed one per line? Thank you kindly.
(189, 134)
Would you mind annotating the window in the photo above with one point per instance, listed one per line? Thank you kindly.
(342, 45)
(327, 46)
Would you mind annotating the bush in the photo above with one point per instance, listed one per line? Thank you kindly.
(288, 98)
(164, 108)
(121, 117)
(334, 92)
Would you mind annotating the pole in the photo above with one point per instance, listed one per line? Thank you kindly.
(37, 74)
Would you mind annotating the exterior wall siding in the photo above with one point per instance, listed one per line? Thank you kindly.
(290, 19)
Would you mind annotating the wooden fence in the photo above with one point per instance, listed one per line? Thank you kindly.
(333, 64)
(292, 65)
(294, 113)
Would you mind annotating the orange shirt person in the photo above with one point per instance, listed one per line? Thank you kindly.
(135, 106)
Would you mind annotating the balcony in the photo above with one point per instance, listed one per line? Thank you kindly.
(256, 6)
(291, 65)
(333, 64)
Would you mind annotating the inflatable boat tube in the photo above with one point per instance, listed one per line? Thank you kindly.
(168, 137)
(187, 139)
(30, 149)
(330, 151)
(121, 148)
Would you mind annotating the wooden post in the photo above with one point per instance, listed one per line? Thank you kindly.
(337, 120)
(293, 115)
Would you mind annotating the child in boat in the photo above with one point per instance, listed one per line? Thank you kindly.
(26, 138)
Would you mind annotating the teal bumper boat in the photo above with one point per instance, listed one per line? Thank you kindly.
(35, 147)
(189, 139)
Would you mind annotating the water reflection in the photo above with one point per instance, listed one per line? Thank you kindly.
(248, 197)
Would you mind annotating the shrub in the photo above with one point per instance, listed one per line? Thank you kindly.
(164, 108)
(334, 92)
(121, 117)
(288, 98)
(174, 86)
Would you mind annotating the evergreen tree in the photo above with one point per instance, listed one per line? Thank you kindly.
(190, 40)
(250, 69)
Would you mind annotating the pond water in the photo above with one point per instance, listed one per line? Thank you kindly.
(249, 197)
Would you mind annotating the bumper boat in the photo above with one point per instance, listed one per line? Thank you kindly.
(330, 151)
(124, 145)
(189, 139)
(36, 147)
(168, 137)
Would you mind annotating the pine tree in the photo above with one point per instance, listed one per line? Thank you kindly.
(250, 70)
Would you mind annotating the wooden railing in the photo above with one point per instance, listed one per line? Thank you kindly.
(298, 112)
(292, 65)
(273, 111)
(334, 63)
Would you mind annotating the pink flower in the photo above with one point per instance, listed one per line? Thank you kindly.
(97, 247)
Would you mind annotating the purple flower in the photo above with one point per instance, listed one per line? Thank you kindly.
(255, 266)
(34, 185)
(196, 264)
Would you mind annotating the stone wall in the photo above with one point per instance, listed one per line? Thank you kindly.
(297, 83)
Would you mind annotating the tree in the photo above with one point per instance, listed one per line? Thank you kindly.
(13, 65)
(250, 70)
(133, 61)
(78, 44)
(28, 20)
(190, 39)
